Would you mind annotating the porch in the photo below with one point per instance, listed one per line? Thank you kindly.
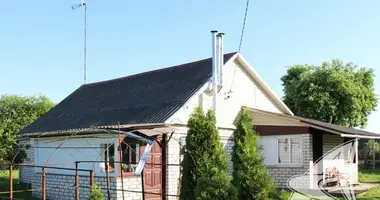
(308, 154)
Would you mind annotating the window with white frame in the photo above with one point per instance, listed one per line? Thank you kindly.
(289, 150)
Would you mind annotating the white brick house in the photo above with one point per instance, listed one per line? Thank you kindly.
(158, 104)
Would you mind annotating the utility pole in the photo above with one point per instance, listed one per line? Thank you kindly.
(84, 5)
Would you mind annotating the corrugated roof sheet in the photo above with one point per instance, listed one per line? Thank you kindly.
(150, 97)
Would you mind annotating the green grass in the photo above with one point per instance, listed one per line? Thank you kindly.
(4, 186)
(369, 175)
(372, 194)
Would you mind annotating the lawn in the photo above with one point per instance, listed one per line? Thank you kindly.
(4, 186)
(369, 175)
(372, 194)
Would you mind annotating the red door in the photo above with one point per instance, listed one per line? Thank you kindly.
(153, 173)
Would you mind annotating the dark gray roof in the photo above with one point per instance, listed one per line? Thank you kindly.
(150, 97)
(324, 125)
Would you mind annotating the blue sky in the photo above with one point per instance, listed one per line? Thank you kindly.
(41, 42)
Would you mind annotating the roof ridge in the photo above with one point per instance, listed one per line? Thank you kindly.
(155, 70)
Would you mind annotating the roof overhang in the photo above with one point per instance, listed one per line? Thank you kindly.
(344, 134)
(323, 126)
(147, 131)
(364, 134)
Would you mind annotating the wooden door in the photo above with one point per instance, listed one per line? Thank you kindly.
(153, 173)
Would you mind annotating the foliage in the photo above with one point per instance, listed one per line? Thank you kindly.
(372, 147)
(96, 193)
(205, 162)
(335, 92)
(284, 195)
(250, 176)
(16, 112)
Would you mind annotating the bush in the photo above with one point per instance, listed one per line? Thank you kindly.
(284, 195)
(96, 193)
(250, 176)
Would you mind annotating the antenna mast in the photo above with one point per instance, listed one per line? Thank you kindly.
(84, 5)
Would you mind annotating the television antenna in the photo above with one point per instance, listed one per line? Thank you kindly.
(73, 7)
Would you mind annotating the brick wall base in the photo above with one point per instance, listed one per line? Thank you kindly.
(26, 173)
(68, 193)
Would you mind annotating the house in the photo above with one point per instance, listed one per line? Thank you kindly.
(90, 128)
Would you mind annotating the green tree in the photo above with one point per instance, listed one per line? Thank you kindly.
(204, 174)
(249, 176)
(335, 92)
(372, 147)
(16, 112)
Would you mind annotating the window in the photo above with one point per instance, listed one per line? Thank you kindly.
(289, 150)
(130, 154)
(109, 157)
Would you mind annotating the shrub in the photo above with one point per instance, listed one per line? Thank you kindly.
(250, 176)
(96, 193)
(204, 174)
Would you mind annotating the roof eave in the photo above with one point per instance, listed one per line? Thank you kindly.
(318, 126)
(95, 130)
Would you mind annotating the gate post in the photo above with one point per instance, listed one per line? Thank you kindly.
(43, 183)
(76, 181)
(92, 179)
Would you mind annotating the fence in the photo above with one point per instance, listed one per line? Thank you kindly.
(76, 183)
(43, 189)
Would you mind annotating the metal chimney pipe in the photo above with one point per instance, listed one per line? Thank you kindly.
(221, 58)
(217, 60)
(214, 72)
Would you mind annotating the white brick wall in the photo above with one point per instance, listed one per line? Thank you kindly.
(130, 183)
(174, 157)
(26, 173)
(282, 173)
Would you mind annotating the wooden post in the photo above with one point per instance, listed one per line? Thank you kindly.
(10, 182)
(76, 181)
(108, 181)
(164, 166)
(92, 179)
(43, 183)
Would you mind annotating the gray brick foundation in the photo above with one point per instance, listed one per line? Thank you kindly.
(68, 193)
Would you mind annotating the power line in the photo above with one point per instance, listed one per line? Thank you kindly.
(241, 41)
(242, 30)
